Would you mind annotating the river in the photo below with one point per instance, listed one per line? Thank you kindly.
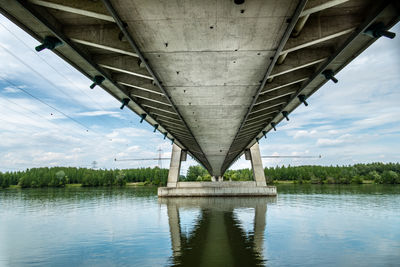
(306, 225)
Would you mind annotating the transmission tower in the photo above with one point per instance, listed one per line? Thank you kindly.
(94, 164)
(159, 158)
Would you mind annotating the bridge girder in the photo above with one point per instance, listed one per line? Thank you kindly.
(214, 88)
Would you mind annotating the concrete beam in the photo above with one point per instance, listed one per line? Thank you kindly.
(123, 64)
(275, 85)
(249, 127)
(104, 36)
(148, 88)
(319, 5)
(175, 166)
(300, 59)
(259, 120)
(263, 117)
(284, 69)
(316, 6)
(150, 96)
(263, 113)
(80, 7)
(256, 165)
(159, 113)
(244, 139)
(276, 94)
(270, 104)
(154, 105)
(182, 134)
(322, 29)
(173, 124)
(248, 132)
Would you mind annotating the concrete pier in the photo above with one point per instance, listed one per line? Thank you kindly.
(256, 165)
(217, 187)
(175, 166)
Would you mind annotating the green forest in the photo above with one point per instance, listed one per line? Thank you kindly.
(379, 173)
(60, 176)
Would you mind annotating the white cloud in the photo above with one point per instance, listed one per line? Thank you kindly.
(10, 89)
(98, 113)
(332, 142)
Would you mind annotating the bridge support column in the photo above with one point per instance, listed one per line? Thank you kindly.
(254, 155)
(218, 188)
(177, 156)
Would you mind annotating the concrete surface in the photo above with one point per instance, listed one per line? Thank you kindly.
(217, 191)
(257, 166)
(175, 166)
(209, 77)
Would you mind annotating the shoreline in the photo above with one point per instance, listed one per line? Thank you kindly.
(143, 184)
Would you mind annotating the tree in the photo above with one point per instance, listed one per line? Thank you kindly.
(194, 172)
(390, 177)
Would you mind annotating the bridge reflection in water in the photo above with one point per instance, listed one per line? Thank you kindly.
(219, 237)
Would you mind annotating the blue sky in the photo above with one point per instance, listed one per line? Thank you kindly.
(356, 120)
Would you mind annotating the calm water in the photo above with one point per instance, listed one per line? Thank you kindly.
(303, 226)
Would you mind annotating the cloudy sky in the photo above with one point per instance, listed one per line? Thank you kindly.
(356, 120)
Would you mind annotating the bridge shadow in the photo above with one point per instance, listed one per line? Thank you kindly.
(218, 236)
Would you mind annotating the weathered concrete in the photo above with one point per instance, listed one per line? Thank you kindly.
(175, 166)
(226, 184)
(256, 165)
(216, 191)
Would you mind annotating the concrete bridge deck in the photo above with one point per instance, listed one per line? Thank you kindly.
(213, 76)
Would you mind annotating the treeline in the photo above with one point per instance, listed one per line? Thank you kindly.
(379, 173)
(60, 176)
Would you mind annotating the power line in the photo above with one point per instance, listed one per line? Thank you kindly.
(36, 72)
(47, 63)
(294, 157)
(31, 111)
(37, 98)
(143, 159)
(43, 102)
(58, 72)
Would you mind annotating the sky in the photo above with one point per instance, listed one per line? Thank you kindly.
(50, 117)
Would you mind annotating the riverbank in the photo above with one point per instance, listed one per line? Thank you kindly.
(378, 173)
(137, 184)
(145, 184)
(316, 183)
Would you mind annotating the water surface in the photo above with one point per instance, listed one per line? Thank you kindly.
(304, 226)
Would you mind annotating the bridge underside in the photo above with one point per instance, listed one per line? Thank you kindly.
(212, 76)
